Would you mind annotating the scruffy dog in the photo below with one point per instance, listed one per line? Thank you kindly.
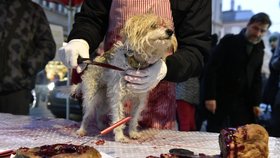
(146, 39)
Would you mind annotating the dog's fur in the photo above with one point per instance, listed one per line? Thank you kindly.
(146, 39)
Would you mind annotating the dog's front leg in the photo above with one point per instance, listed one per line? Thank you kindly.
(91, 87)
(138, 108)
(116, 103)
(87, 111)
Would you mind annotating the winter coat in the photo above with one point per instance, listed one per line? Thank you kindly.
(232, 74)
(192, 21)
(29, 47)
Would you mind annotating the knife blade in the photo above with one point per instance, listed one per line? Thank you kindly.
(109, 129)
(185, 153)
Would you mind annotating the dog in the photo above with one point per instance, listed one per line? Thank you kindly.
(146, 38)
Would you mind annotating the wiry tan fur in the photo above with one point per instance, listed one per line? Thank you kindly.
(252, 139)
(256, 142)
(145, 37)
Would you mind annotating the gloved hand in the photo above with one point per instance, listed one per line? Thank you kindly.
(140, 81)
(69, 53)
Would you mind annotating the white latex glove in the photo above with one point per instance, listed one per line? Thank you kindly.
(140, 81)
(69, 53)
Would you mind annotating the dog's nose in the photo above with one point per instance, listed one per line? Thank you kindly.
(169, 32)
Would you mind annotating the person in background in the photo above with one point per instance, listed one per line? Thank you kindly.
(201, 112)
(187, 99)
(232, 79)
(26, 46)
(190, 114)
(192, 26)
(271, 86)
(273, 41)
(274, 129)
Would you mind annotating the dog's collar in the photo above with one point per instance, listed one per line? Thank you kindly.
(134, 63)
(129, 54)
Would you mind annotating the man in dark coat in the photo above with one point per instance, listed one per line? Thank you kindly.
(232, 80)
(26, 46)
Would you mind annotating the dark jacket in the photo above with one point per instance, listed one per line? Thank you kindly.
(30, 45)
(271, 86)
(232, 75)
(192, 20)
(275, 66)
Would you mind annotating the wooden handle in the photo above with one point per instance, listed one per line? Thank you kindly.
(109, 129)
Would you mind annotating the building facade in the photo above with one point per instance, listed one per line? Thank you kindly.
(217, 23)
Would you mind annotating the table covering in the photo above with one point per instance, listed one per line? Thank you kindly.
(27, 131)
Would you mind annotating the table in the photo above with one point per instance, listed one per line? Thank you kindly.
(26, 131)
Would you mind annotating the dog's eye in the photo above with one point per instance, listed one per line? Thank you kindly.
(154, 26)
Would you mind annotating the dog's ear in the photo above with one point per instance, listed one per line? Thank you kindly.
(174, 44)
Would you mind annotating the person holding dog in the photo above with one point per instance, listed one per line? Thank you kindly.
(26, 47)
(101, 20)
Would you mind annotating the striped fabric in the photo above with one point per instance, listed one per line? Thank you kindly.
(161, 109)
(121, 10)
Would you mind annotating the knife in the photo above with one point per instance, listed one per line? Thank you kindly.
(109, 129)
(185, 153)
(92, 62)
(7, 153)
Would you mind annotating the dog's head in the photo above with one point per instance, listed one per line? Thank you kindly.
(148, 38)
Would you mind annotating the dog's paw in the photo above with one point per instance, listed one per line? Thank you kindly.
(81, 132)
(134, 134)
(122, 139)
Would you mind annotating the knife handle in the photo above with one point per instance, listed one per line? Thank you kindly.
(109, 129)
(81, 60)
